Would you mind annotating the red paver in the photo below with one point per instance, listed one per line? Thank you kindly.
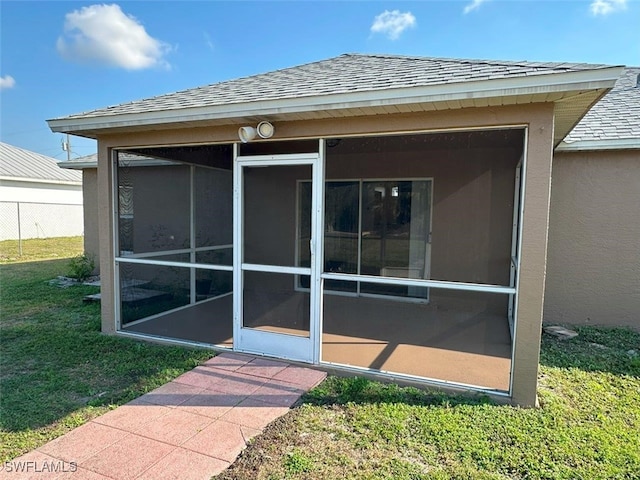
(34, 465)
(221, 439)
(211, 403)
(127, 458)
(236, 383)
(278, 393)
(170, 394)
(83, 442)
(184, 464)
(261, 367)
(202, 377)
(82, 474)
(254, 413)
(191, 428)
(132, 415)
(305, 378)
(228, 361)
(175, 427)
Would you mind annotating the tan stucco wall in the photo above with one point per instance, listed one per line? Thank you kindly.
(593, 262)
(538, 117)
(161, 207)
(105, 236)
(90, 198)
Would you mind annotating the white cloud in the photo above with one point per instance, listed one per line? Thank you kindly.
(7, 82)
(392, 24)
(105, 34)
(474, 5)
(605, 7)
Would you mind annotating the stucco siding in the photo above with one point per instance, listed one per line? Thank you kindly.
(594, 239)
(90, 195)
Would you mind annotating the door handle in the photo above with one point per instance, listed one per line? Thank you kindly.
(311, 249)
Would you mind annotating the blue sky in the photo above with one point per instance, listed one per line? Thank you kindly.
(59, 58)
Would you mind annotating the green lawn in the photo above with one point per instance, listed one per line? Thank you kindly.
(587, 427)
(57, 370)
(40, 249)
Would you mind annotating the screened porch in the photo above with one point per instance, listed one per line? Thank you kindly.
(418, 237)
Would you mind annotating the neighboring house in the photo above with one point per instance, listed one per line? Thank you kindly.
(37, 198)
(88, 165)
(372, 214)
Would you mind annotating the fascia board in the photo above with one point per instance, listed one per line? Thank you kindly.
(611, 144)
(77, 165)
(603, 78)
(40, 180)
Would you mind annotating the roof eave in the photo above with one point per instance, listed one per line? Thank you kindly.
(77, 165)
(600, 144)
(601, 78)
(41, 180)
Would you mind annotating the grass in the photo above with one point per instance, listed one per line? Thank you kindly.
(586, 427)
(40, 249)
(57, 370)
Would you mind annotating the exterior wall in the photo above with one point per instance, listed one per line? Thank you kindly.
(90, 197)
(39, 192)
(171, 208)
(594, 239)
(105, 237)
(534, 228)
(539, 119)
(39, 210)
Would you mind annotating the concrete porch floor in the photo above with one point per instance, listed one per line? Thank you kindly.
(461, 341)
(191, 428)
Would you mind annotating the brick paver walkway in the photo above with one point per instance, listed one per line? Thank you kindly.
(191, 428)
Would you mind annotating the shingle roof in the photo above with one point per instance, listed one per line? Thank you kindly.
(19, 163)
(616, 116)
(349, 73)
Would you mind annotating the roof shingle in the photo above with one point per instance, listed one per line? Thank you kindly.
(616, 116)
(347, 73)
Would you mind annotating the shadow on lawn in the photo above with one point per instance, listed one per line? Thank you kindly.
(27, 270)
(596, 349)
(56, 362)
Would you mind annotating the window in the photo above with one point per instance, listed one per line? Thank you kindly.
(372, 227)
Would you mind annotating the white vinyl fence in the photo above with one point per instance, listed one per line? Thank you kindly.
(22, 220)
